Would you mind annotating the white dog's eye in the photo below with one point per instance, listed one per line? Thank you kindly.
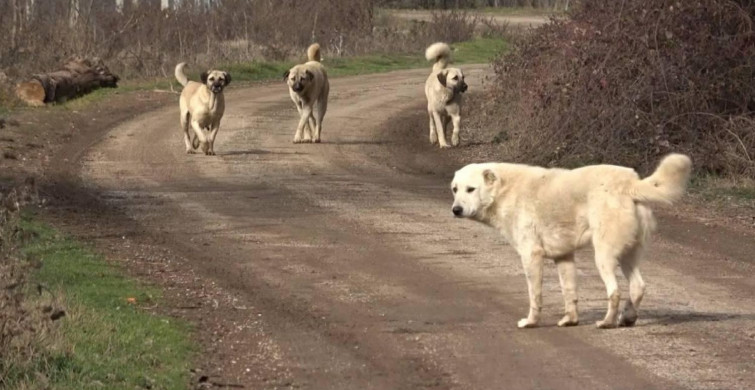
(456, 78)
(470, 189)
(454, 190)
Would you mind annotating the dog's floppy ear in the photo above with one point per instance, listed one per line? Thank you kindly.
(204, 76)
(489, 177)
(442, 78)
(310, 75)
(227, 78)
(285, 75)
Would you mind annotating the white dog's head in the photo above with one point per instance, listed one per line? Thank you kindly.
(453, 78)
(475, 187)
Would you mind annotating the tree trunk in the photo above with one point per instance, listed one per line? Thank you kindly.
(78, 77)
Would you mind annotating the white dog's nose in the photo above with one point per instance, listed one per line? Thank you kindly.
(457, 210)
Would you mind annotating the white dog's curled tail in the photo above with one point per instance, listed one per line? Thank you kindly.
(313, 52)
(667, 184)
(180, 75)
(440, 54)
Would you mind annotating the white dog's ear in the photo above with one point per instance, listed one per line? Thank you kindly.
(489, 177)
(285, 75)
(442, 77)
(227, 78)
(310, 75)
(204, 77)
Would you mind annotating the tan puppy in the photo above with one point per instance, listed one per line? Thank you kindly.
(309, 88)
(202, 106)
(443, 89)
(550, 213)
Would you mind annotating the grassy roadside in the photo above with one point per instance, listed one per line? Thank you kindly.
(106, 339)
(479, 50)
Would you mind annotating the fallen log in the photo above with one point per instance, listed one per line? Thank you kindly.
(79, 76)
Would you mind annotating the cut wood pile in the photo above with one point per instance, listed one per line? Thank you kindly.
(79, 76)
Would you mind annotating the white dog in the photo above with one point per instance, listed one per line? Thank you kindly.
(550, 213)
(443, 89)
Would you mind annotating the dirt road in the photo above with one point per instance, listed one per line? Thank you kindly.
(344, 268)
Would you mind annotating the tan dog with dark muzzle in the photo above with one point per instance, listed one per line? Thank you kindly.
(202, 106)
(309, 89)
(443, 88)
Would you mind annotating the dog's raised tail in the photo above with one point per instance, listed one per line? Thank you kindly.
(313, 52)
(180, 75)
(440, 54)
(667, 184)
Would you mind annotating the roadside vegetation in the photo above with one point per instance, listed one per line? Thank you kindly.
(70, 320)
(628, 84)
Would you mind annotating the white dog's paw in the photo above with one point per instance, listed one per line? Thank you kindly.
(190, 151)
(605, 324)
(433, 138)
(316, 140)
(455, 140)
(525, 323)
(568, 321)
(445, 146)
(297, 140)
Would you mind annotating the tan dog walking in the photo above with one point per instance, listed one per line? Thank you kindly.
(202, 106)
(443, 88)
(309, 89)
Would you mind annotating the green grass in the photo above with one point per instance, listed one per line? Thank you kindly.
(103, 341)
(518, 11)
(480, 50)
(716, 189)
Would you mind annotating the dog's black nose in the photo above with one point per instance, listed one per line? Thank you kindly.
(457, 210)
(464, 87)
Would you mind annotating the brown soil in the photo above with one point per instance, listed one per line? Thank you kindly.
(339, 265)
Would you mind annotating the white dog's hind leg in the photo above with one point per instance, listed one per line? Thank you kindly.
(320, 109)
(433, 133)
(533, 269)
(567, 275)
(187, 138)
(439, 130)
(629, 266)
(199, 134)
(606, 262)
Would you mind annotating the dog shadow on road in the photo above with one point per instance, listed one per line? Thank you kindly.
(670, 317)
(253, 152)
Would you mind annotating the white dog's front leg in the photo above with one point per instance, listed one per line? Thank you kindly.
(567, 275)
(306, 111)
(533, 269)
(211, 140)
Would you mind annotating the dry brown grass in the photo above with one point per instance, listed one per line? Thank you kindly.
(626, 82)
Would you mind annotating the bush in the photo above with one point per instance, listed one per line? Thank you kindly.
(628, 82)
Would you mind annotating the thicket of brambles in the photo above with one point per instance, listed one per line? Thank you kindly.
(628, 81)
(148, 37)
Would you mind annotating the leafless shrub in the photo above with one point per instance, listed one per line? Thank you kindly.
(625, 83)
